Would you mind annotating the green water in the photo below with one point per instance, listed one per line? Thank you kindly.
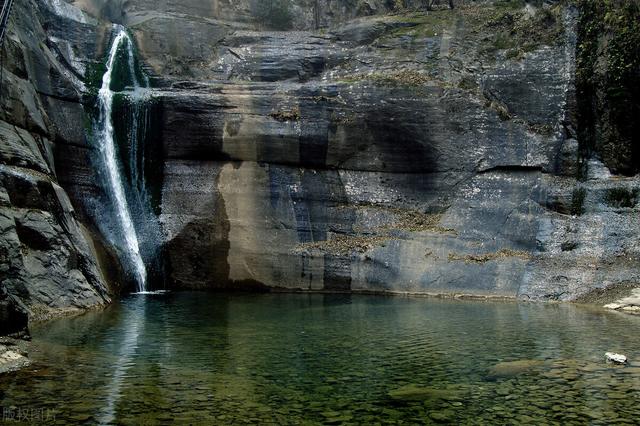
(196, 358)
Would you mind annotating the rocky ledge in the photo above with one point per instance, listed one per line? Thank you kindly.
(630, 304)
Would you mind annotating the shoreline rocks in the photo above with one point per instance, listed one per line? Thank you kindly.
(630, 304)
(13, 355)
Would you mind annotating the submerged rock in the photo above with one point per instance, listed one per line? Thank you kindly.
(513, 368)
(414, 392)
(444, 416)
(11, 361)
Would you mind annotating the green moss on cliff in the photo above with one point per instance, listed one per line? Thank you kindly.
(400, 78)
(93, 76)
(608, 71)
(344, 245)
(577, 201)
(518, 32)
(274, 14)
(488, 257)
(622, 197)
(502, 26)
(286, 115)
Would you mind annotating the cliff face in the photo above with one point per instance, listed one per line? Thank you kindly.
(415, 152)
(47, 261)
(361, 150)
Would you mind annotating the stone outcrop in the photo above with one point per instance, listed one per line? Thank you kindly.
(13, 354)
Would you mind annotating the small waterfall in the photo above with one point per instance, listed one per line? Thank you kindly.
(108, 156)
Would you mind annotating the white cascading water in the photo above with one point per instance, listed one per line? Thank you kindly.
(108, 154)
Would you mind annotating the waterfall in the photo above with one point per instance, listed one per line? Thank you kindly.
(108, 157)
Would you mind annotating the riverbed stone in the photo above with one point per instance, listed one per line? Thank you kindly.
(509, 369)
(414, 392)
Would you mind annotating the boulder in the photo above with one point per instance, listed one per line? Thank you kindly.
(615, 358)
(11, 361)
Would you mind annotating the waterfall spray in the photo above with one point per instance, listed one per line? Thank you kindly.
(107, 152)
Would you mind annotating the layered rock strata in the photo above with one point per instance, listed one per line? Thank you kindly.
(47, 259)
(367, 147)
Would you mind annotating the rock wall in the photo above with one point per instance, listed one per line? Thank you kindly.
(416, 152)
(47, 259)
(372, 146)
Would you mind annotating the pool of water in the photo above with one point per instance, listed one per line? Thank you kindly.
(203, 358)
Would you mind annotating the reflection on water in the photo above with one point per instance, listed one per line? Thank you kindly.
(288, 359)
(132, 323)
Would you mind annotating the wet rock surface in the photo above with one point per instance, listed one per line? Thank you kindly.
(630, 304)
(46, 265)
(13, 355)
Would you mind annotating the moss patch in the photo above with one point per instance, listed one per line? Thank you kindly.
(414, 221)
(361, 242)
(290, 115)
(505, 25)
(93, 76)
(400, 78)
(273, 14)
(622, 197)
(488, 257)
(344, 245)
(514, 30)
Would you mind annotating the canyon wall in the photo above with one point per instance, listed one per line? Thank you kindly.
(48, 259)
(371, 146)
(409, 152)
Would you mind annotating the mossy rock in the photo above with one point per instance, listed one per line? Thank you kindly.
(622, 197)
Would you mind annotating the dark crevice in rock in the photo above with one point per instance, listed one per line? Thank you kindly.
(59, 97)
(511, 168)
(34, 236)
(14, 320)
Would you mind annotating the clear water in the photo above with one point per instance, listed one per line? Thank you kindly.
(197, 358)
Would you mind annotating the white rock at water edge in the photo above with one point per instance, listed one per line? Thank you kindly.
(616, 358)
